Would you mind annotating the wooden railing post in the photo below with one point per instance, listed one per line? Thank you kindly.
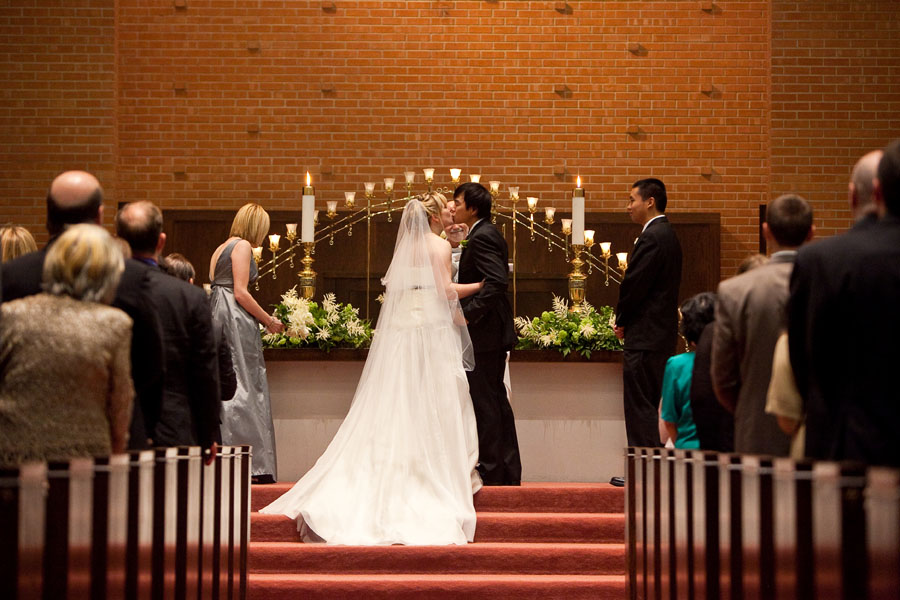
(683, 547)
(757, 519)
(630, 515)
(792, 492)
(641, 468)
(730, 538)
(139, 547)
(165, 525)
(67, 540)
(705, 503)
(666, 542)
(242, 490)
(110, 526)
(23, 493)
(882, 504)
(839, 531)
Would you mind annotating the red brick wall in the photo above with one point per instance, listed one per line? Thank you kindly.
(226, 101)
(835, 96)
(57, 101)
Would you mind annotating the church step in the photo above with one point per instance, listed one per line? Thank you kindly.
(530, 497)
(490, 527)
(446, 586)
(483, 558)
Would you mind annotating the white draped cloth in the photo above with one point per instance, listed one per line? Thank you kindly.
(401, 468)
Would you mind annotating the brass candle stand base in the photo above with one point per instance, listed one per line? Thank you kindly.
(577, 279)
(307, 275)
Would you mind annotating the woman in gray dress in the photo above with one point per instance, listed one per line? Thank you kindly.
(247, 419)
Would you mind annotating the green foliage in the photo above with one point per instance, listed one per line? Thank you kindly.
(310, 325)
(585, 331)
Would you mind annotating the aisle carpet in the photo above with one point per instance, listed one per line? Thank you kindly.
(541, 540)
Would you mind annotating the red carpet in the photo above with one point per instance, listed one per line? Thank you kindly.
(541, 540)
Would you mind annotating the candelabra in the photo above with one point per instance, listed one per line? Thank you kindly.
(572, 235)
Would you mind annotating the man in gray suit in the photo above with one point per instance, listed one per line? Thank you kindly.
(750, 315)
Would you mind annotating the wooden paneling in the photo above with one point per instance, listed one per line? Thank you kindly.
(341, 266)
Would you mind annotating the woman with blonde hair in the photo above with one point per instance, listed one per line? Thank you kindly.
(401, 468)
(14, 242)
(247, 419)
(65, 381)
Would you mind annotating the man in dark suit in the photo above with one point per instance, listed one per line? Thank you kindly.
(485, 258)
(190, 409)
(843, 331)
(76, 197)
(647, 312)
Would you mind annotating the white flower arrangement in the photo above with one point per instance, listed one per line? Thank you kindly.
(327, 326)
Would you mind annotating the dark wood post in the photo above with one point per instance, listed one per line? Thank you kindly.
(243, 492)
(110, 526)
(67, 540)
(187, 540)
(165, 506)
(209, 513)
(139, 545)
(641, 468)
(630, 515)
(757, 518)
(705, 471)
(666, 540)
(22, 518)
(684, 526)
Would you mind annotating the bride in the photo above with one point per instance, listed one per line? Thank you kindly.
(401, 468)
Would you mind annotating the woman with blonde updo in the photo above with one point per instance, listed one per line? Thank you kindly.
(14, 242)
(401, 468)
(247, 419)
(65, 383)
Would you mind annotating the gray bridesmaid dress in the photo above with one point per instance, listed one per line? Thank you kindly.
(247, 418)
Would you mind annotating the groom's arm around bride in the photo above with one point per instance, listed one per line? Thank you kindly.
(485, 258)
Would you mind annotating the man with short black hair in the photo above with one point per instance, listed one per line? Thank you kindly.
(843, 331)
(485, 257)
(647, 312)
(750, 316)
(190, 408)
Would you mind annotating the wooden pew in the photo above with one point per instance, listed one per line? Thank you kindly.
(792, 491)
(22, 526)
(882, 505)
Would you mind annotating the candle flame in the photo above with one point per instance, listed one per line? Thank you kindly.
(578, 181)
(308, 179)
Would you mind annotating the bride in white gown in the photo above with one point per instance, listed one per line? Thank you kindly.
(401, 468)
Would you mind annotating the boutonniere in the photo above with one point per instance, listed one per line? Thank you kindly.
(463, 244)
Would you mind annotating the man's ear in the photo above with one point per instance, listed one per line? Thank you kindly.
(766, 233)
(100, 215)
(160, 243)
(878, 195)
(812, 232)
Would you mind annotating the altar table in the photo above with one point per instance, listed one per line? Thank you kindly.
(569, 416)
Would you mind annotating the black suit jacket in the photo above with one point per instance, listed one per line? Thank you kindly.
(486, 258)
(190, 407)
(843, 331)
(648, 296)
(22, 277)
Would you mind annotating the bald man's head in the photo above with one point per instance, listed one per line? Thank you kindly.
(140, 224)
(74, 197)
(862, 200)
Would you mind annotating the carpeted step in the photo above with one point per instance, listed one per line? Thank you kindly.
(449, 586)
(508, 558)
(490, 527)
(529, 497)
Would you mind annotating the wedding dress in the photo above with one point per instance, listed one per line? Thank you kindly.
(401, 468)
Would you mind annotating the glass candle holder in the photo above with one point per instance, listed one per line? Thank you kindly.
(349, 199)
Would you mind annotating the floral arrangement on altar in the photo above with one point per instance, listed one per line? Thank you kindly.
(309, 325)
(584, 331)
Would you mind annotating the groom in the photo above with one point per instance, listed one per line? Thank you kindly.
(485, 258)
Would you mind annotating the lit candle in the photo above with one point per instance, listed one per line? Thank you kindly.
(257, 253)
(429, 175)
(454, 174)
(475, 178)
(588, 237)
(370, 188)
(513, 193)
(566, 226)
(349, 199)
(410, 176)
(307, 221)
(291, 231)
(389, 184)
(622, 257)
(273, 242)
(495, 187)
(604, 247)
(578, 213)
(532, 203)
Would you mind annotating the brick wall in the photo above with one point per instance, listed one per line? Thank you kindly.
(222, 102)
(835, 96)
(57, 101)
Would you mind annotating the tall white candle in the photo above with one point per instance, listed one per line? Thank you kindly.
(308, 226)
(578, 213)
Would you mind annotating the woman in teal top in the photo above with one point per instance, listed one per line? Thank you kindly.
(675, 410)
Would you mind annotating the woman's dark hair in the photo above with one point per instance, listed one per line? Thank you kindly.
(696, 313)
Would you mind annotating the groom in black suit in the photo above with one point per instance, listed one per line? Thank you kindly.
(485, 258)
(647, 312)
